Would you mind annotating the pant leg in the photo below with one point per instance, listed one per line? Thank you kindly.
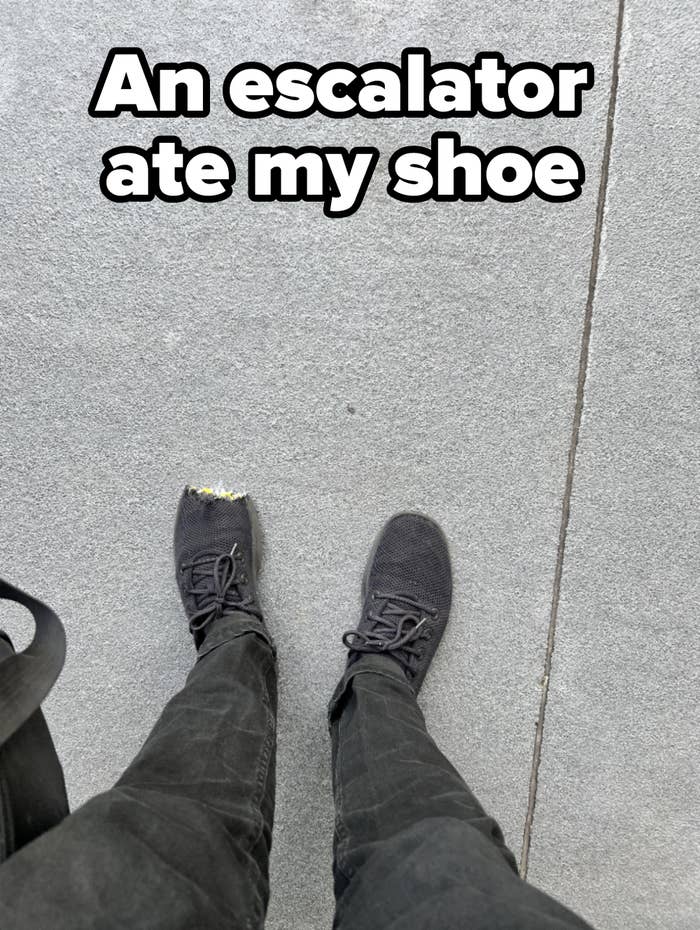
(182, 841)
(414, 849)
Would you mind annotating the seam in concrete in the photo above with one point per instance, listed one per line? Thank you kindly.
(573, 444)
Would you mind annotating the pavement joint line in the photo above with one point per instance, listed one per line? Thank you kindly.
(573, 444)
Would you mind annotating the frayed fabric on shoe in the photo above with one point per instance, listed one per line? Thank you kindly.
(217, 491)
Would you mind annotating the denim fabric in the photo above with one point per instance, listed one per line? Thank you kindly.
(182, 841)
(414, 849)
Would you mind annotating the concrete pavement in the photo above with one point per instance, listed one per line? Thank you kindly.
(408, 356)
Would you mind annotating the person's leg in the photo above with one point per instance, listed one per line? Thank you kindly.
(182, 841)
(414, 849)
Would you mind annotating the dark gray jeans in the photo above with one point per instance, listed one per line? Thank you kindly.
(182, 841)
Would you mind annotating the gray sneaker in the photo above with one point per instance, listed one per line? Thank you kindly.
(407, 592)
(217, 557)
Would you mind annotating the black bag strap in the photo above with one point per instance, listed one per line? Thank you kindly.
(32, 788)
(27, 677)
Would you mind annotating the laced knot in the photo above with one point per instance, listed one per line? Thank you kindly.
(394, 626)
(217, 582)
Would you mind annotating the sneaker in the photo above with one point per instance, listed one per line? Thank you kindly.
(217, 557)
(407, 592)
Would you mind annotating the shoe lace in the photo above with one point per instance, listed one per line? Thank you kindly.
(217, 583)
(395, 627)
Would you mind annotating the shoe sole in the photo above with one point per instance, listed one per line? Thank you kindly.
(257, 535)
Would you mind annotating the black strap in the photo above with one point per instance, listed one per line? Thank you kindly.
(27, 677)
(32, 789)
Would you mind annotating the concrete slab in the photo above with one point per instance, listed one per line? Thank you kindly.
(409, 356)
(616, 825)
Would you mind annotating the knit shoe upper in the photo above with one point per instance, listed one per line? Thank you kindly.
(407, 593)
(217, 557)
